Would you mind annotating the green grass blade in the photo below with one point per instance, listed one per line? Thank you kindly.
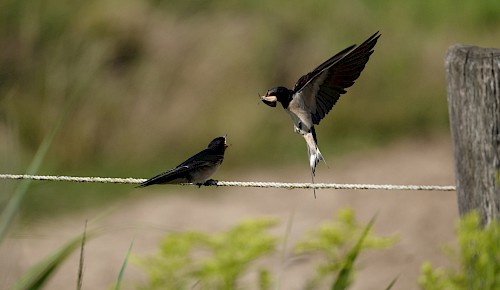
(82, 256)
(124, 266)
(36, 277)
(342, 281)
(10, 210)
(392, 283)
(286, 239)
(8, 213)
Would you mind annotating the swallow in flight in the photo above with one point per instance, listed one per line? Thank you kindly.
(315, 93)
(196, 169)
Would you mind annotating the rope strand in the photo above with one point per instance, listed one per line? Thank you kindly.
(286, 185)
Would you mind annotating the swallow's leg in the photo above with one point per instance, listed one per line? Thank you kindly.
(209, 182)
(296, 129)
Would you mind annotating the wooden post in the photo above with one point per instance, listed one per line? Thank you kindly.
(473, 84)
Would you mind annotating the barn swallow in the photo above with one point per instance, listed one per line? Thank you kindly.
(196, 169)
(315, 93)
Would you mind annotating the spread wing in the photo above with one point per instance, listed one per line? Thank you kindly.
(321, 88)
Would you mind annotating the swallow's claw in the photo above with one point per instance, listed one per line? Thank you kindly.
(210, 182)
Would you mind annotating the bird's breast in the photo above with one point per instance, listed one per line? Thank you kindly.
(300, 115)
(202, 174)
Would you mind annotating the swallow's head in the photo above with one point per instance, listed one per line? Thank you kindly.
(278, 94)
(218, 144)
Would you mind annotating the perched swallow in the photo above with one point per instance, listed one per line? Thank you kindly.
(196, 169)
(315, 93)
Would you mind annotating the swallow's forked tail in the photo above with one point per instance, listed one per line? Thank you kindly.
(313, 151)
(314, 155)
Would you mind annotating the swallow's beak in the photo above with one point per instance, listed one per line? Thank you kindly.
(225, 144)
(269, 100)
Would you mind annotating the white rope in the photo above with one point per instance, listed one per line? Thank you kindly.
(240, 183)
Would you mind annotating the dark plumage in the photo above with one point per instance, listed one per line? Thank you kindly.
(315, 93)
(196, 169)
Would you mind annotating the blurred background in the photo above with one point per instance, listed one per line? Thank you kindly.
(140, 85)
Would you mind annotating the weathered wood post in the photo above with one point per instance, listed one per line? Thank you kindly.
(473, 84)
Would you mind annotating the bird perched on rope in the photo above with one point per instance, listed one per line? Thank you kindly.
(315, 93)
(196, 169)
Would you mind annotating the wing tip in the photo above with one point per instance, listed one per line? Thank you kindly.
(371, 41)
(144, 184)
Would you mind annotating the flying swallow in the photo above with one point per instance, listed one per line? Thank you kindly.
(196, 169)
(315, 93)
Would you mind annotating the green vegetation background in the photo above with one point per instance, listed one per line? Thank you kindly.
(144, 84)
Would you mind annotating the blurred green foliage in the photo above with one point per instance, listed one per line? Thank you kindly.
(221, 260)
(477, 259)
(148, 83)
(212, 261)
(332, 241)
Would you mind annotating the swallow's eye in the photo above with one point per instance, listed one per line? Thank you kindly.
(270, 93)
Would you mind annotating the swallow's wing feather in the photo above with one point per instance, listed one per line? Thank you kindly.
(305, 79)
(321, 88)
(179, 174)
(167, 176)
(205, 156)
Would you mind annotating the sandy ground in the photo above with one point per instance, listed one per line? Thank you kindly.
(423, 220)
